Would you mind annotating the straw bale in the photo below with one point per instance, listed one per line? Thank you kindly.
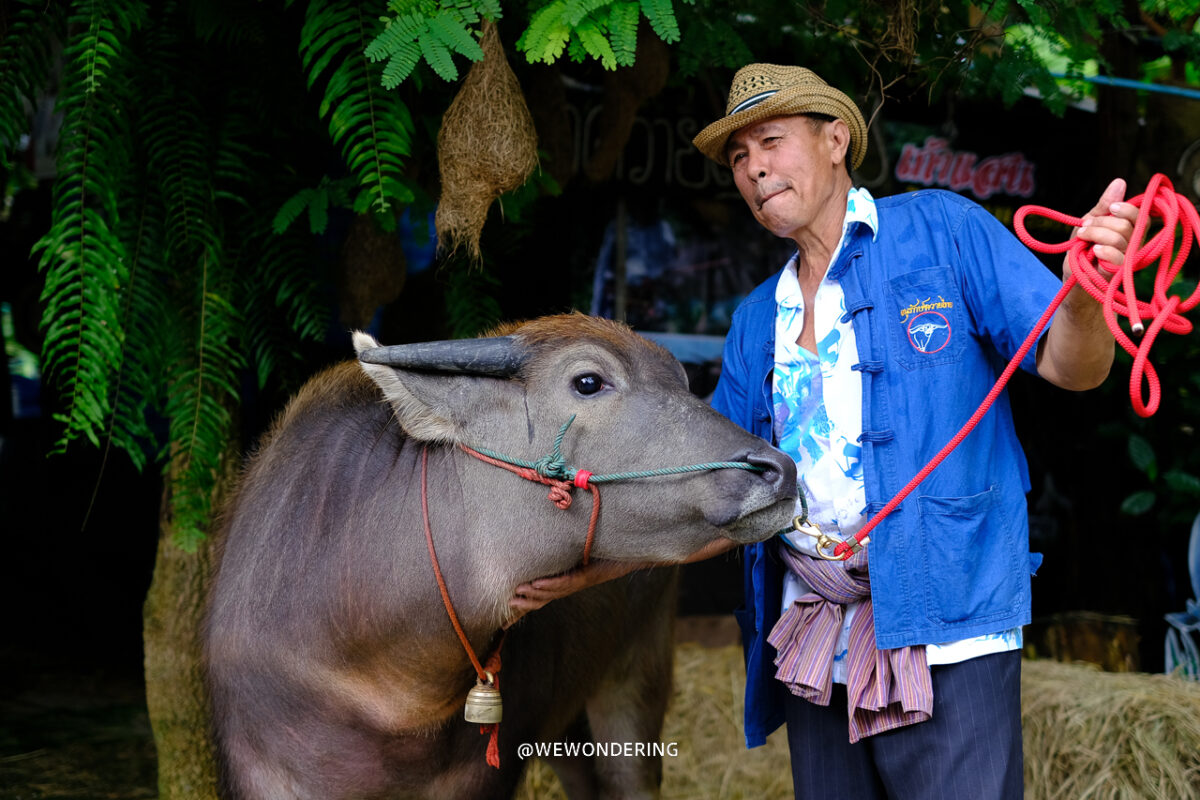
(1106, 736)
(487, 146)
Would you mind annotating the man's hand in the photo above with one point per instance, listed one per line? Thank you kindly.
(1108, 226)
(1077, 352)
(540, 591)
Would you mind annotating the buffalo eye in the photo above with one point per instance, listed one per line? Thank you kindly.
(588, 383)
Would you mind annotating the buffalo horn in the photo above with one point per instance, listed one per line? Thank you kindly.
(499, 356)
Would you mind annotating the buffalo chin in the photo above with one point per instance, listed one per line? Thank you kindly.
(762, 524)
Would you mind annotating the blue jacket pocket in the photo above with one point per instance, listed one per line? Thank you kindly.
(972, 569)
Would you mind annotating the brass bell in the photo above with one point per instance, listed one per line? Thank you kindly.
(483, 702)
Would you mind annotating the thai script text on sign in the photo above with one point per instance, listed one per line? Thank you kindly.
(935, 164)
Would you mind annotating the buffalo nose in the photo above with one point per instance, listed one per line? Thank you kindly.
(778, 470)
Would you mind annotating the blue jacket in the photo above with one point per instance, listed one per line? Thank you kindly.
(940, 302)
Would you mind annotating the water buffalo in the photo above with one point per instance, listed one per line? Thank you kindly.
(332, 663)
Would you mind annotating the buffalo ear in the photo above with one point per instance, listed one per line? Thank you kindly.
(431, 405)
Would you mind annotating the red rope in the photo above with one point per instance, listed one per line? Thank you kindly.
(1116, 296)
(560, 495)
(492, 671)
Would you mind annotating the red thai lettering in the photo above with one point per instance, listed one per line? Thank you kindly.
(934, 163)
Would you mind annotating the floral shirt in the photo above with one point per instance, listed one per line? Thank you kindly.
(817, 399)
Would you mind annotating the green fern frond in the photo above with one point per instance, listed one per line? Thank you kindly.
(204, 389)
(448, 28)
(318, 211)
(397, 33)
(400, 64)
(82, 255)
(487, 9)
(575, 10)
(623, 21)
(576, 51)
(661, 14)
(547, 35)
(193, 159)
(371, 126)
(328, 28)
(596, 44)
(601, 29)
(139, 383)
(26, 55)
(227, 24)
(433, 30)
(286, 302)
(179, 156)
(437, 55)
(292, 208)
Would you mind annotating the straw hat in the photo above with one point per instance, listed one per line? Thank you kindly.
(760, 91)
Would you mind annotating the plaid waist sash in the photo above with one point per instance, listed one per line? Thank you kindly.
(885, 689)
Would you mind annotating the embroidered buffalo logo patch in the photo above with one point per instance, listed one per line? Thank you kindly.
(928, 328)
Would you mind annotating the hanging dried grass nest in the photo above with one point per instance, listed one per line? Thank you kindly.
(487, 146)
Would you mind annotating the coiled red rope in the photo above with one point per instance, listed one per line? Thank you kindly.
(1114, 291)
(1116, 294)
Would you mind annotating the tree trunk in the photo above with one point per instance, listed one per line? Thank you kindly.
(175, 691)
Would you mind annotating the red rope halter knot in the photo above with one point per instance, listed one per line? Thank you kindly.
(560, 491)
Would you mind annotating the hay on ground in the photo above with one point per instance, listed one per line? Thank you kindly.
(1106, 735)
(1088, 735)
(705, 721)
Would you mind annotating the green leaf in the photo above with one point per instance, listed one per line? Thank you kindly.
(661, 15)
(1141, 453)
(547, 35)
(1182, 482)
(623, 21)
(576, 10)
(401, 64)
(450, 31)
(1138, 503)
(437, 55)
(292, 208)
(318, 211)
(596, 44)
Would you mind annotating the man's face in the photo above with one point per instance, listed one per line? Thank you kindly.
(789, 174)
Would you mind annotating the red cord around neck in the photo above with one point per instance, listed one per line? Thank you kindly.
(490, 672)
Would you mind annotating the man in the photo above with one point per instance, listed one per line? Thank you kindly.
(861, 359)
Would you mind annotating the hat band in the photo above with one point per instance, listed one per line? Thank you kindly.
(751, 102)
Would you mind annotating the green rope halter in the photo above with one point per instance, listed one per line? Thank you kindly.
(554, 466)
